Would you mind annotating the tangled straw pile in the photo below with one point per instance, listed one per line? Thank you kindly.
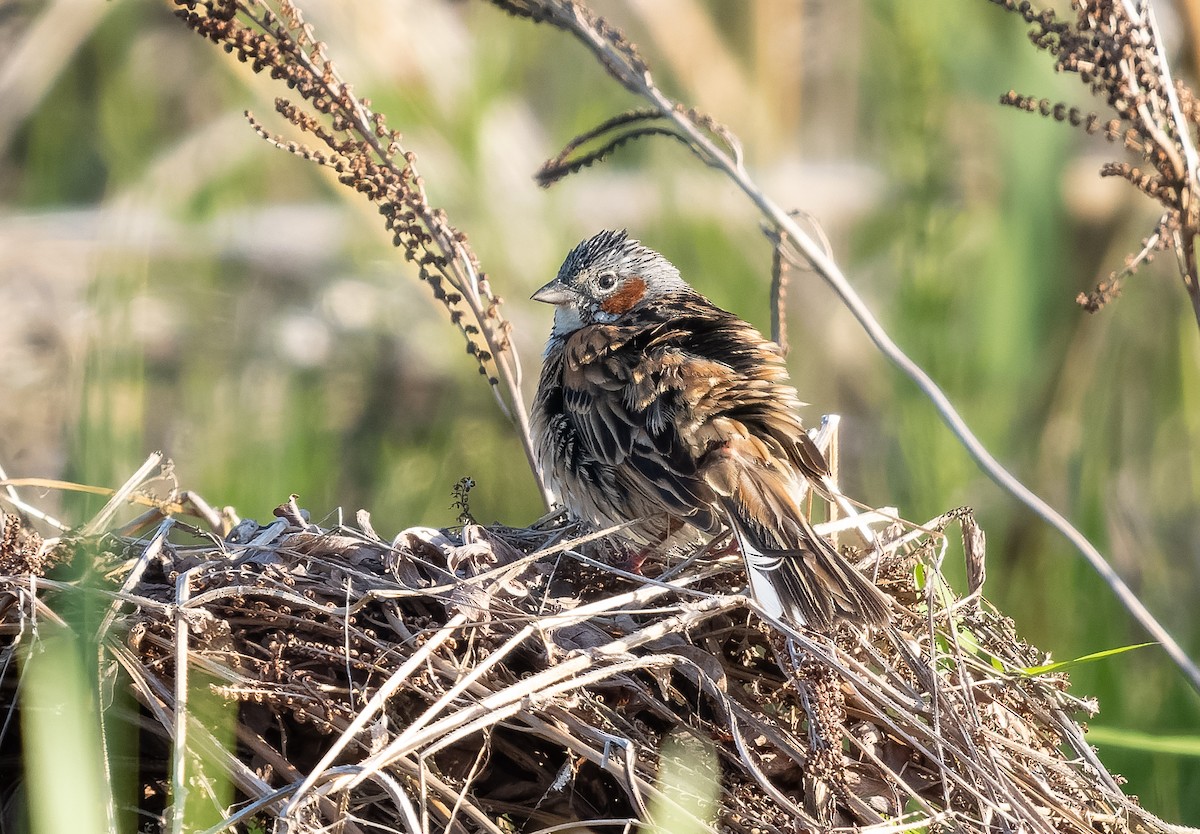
(497, 679)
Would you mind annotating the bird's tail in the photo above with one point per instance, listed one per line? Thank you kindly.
(793, 571)
(810, 582)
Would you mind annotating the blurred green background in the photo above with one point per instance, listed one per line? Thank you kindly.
(169, 281)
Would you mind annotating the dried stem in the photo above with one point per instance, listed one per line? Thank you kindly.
(1115, 47)
(355, 143)
(780, 267)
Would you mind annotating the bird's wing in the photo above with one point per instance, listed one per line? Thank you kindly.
(656, 393)
(631, 401)
(756, 391)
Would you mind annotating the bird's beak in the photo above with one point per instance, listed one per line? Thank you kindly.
(554, 293)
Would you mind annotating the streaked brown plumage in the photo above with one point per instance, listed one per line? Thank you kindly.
(657, 407)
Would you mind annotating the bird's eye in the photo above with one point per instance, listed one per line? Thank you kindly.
(606, 280)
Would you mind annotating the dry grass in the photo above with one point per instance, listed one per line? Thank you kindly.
(499, 679)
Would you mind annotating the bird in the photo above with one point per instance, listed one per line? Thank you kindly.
(659, 411)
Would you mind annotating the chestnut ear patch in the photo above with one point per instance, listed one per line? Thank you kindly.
(629, 293)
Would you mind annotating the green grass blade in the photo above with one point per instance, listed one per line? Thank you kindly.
(687, 778)
(1146, 742)
(1087, 658)
(64, 765)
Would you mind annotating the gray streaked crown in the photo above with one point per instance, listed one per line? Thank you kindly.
(615, 251)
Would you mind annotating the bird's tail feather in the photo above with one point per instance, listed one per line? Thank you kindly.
(793, 571)
(809, 582)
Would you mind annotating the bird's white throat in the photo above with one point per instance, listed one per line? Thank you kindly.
(566, 321)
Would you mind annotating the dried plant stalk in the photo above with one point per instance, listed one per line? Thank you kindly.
(490, 679)
(1115, 49)
(355, 142)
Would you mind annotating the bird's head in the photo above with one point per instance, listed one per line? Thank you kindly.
(605, 278)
